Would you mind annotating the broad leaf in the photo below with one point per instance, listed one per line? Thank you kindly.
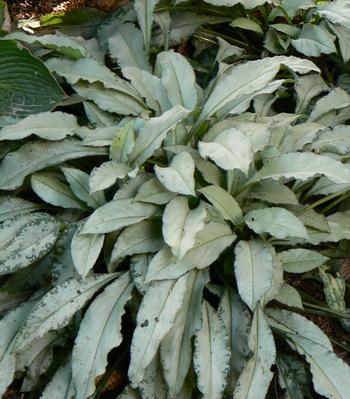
(117, 214)
(255, 379)
(272, 192)
(105, 175)
(26, 239)
(99, 332)
(145, 14)
(34, 156)
(155, 318)
(153, 192)
(300, 260)
(123, 143)
(178, 176)
(61, 385)
(278, 222)
(14, 206)
(57, 307)
(211, 357)
(307, 87)
(337, 12)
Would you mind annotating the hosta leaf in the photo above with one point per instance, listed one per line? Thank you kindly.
(300, 260)
(61, 386)
(9, 325)
(176, 348)
(343, 35)
(14, 206)
(272, 192)
(302, 166)
(46, 125)
(27, 86)
(237, 321)
(26, 239)
(334, 140)
(178, 78)
(278, 222)
(56, 308)
(255, 379)
(181, 225)
(314, 41)
(337, 12)
(126, 47)
(155, 318)
(38, 155)
(142, 237)
(210, 243)
(99, 332)
(211, 357)
(237, 86)
(117, 214)
(123, 143)
(49, 187)
(62, 44)
(154, 131)
(330, 373)
(145, 13)
(79, 183)
(230, 150)
(105, 175)
(292, 7)
(150, 87)
(256, 270)
(223, 202)
(178, 176)
(85, 250)
(307, 87)
(154, 192)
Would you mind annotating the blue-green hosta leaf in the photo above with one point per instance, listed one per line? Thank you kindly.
(26, 84)
(300, 260)
(330, 373)
(230, 150)
(61, 385)
(34, 156)
(336, 99)
(273, 192)
(181, 225)
(111, 100)
(57, 307)
(258, 271)
(178, 177)
(46, 125)
(85, 249)
(79, 183)
(237, 321)
(256, 376)
(154, 131)
(337, 12)
(150, 87)
(145, 14)
(223, 202)
(26, 239)
(10, 324)
(123, 143)
(65, 45)
(292, 7)
(155, 318)
(99, 332)
(302, 166)
(211, 357)
(126, 47)
(237, 86)
(278, 222)
(105, 175)
(117, 214)
(210, 243)
(153, 192)
(314, 41)
(307, 87)
(13, 206)
(140, 238)
(343, 35)
(179, 79)
(176, 348)
(50, 187)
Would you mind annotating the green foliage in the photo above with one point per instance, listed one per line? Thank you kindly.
(171, 205)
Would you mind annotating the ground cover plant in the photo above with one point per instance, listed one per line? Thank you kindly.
(174, 202)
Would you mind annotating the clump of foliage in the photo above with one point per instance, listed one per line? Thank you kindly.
(173, 201)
